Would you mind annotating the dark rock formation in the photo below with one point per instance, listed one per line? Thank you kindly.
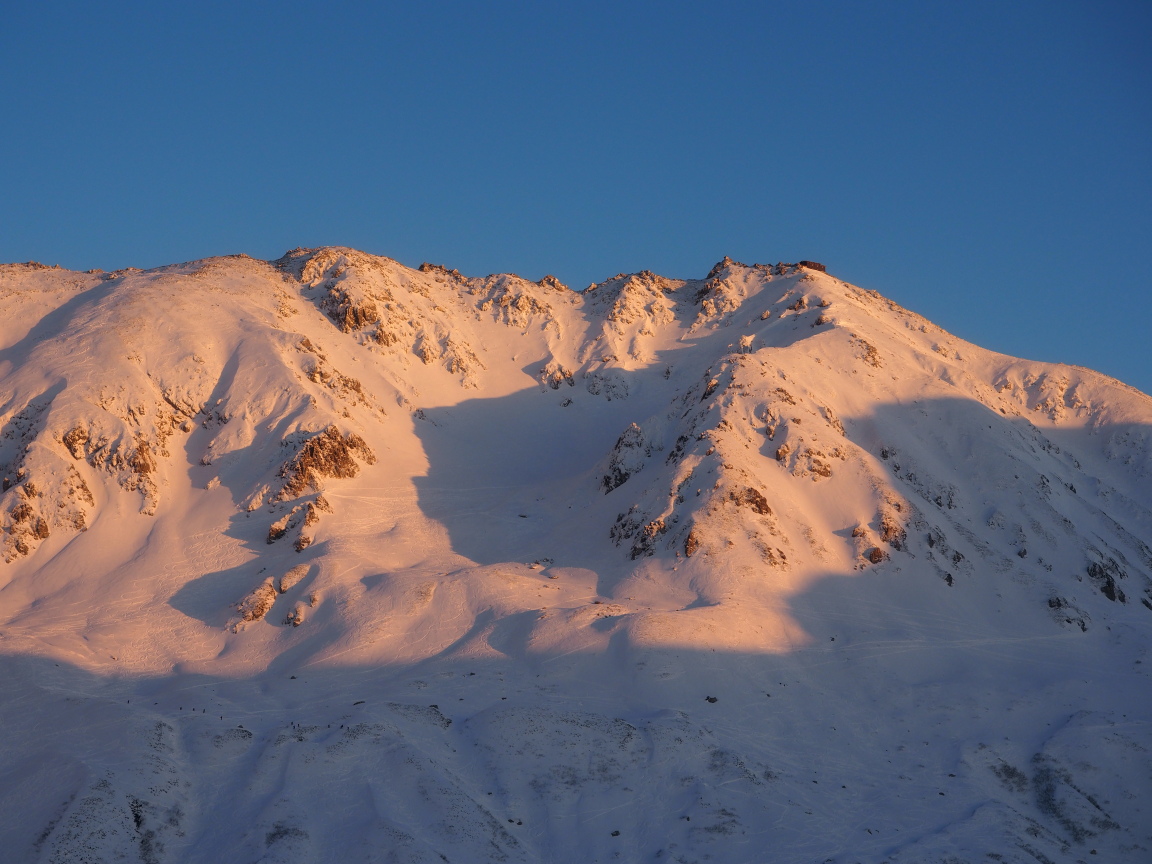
(327, 454)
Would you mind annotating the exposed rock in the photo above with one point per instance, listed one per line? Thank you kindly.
(347, 313)
(609, 384)
(511, 301)
(1104, 575)
(553, 283)
(554, 374)
(626, 526)
(296, 616)
(293, 577)
(74, 440)
(313, 509)
(891, 531)
(256, 605)
(326, 454)
(627, 458)
(385, 337)
(1068, 613)
(280, 527)
(817, 467)
(460, 359)
(131, 458)
(646, 542)
(301, 516)
(439, 268)
(28, 527)
(869, 354)
(719, 267)
(749, 497)
(428, 349)
(773, 557)
(834, 421)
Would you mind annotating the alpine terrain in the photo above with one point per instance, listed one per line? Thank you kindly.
(325, 559)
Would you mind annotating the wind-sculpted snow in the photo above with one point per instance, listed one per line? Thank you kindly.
(330, 559)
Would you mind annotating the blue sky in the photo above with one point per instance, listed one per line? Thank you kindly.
(988, 165)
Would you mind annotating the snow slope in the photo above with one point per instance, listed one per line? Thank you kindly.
(327, 559)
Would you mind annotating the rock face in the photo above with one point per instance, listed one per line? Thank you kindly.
(292, 578)
(296, 616)
(627, 458)
(256, 605)
(326, 454)
(554, 374)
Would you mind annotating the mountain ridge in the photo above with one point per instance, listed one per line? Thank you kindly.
(233, 469)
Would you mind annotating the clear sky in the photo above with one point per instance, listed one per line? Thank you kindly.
(986, 164)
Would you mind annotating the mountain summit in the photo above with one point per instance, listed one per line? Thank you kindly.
(329, 559)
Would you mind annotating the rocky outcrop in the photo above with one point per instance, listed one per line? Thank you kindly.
(300, 518)
(553, 374)
(644, 534)
(1105, 575)
(292, 578)
(326, 454)
(750, 498)
(254, 606)
(628, 458)
(347, 312)
(892, 529)
(25, 525)
(296, 617)
(513, 301)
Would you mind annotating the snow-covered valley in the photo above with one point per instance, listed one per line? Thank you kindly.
(327, 559)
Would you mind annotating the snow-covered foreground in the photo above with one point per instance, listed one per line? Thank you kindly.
(326, 559)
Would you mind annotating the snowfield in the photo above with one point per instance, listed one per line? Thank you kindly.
(326, 559)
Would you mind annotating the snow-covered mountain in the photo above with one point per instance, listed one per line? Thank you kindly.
(328, 559)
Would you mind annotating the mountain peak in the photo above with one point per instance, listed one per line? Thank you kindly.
(418, 514)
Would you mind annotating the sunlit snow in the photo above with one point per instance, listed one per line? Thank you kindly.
(329, 560)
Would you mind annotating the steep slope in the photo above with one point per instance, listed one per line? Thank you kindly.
(758, 566)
